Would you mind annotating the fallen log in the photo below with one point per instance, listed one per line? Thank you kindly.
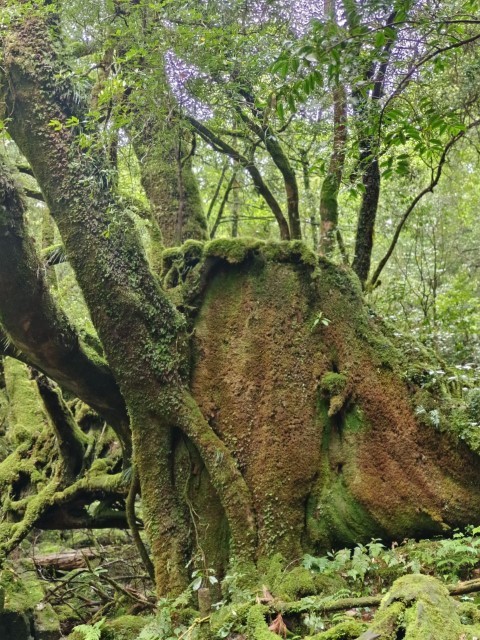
(65, 560)
(325, 605)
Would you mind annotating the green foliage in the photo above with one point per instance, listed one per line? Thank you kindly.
(90, 631)
(370, 568)
(203, 577)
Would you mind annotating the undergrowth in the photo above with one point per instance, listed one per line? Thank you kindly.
(365, 570)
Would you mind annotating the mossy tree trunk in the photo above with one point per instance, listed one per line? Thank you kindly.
(164, 149)
(141, 331)
(332, 181)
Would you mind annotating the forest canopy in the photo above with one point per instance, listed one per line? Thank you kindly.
(240, 313)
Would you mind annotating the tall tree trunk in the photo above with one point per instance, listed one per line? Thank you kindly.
(331, 184)
(310, 199)
(367, 110)
(367, 217)
(235, 207)
(163, 151)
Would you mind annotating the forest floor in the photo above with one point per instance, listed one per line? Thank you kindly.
(87, 586)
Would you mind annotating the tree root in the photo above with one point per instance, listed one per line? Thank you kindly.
(132, 522)
(225, 476)
(417, 607)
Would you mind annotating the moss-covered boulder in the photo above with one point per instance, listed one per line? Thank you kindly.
(417, 607)
(15, 626)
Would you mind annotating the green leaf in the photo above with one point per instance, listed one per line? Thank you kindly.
(197, 583)
(380, 39)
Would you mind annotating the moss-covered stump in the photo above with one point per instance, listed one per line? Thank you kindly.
(317, 404)
(417, 607)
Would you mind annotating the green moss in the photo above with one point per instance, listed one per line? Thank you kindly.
(234, 251)
(47, 623)
(294, 584)
(290, 251)
(386, 623)
(472, 633)
(193, 249)
(124, 628)
(354, 420)
(421, 606)
(349, 630)
(338, 518)
(334, 517)
(333, 383)
(328, 585)
(26, 416)
(469, 613)
(257, 628)
(22, 592)
(272, 569)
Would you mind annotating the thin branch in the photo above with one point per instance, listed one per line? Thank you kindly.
(222, 205)
(416, 200)
(217, 190)
(281, 161)
(220, 145)
(426, 58)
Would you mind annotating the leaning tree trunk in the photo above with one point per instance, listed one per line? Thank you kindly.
(141, 331)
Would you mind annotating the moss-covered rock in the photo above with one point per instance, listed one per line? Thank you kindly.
(418, 607)
(294, 584)
(333, 383)
(14, 626)
(124, 628)
(349, 630)
(46, 623)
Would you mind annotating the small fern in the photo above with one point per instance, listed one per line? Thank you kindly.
(91, 631)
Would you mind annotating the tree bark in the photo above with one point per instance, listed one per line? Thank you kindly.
(367, 217)
(331, 183)
(38, 327)
(168, 179)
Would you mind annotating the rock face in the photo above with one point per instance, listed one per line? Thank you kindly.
(40, 624)
(16, 626)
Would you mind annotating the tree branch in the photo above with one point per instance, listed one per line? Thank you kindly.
(281, 161)
(429, 189)
(37, 327)
(220, 145)
(221, 208)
